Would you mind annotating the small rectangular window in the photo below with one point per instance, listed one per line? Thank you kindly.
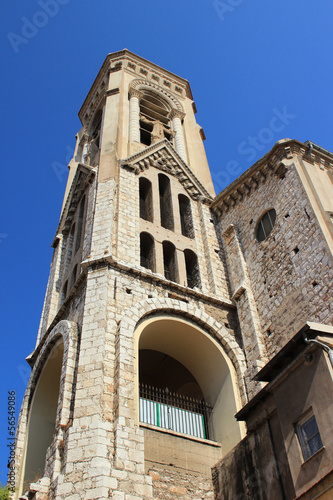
(308, 436)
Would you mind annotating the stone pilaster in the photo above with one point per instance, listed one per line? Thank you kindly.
(242, 294)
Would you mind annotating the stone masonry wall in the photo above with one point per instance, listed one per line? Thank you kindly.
(103, 447)
(103, 450)
(205, 244)
(291, 271)
(176, 484)
(59, 264)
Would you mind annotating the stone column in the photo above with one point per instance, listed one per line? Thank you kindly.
(134, 115)
(176, 116)
(85, 148)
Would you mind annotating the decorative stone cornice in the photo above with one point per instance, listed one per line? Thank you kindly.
(275, 162)
(112, 92)
(113, 263)
(126, 60)
(241, 190)
(317, 155)
(97, 90)
(163, 156)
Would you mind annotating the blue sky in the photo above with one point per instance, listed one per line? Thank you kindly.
(248, 61)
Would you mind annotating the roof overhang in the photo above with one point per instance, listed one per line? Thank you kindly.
(285, 358)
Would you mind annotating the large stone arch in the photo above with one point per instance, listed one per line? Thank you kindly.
(168, 96)
(127, 391)
(64, 334)
(172, 306)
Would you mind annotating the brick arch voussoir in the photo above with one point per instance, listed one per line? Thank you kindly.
(178, 308)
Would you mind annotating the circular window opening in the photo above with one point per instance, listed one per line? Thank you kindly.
(266, 225)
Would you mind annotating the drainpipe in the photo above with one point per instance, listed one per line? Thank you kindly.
(322, 345)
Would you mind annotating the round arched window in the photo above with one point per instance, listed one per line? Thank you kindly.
(266, 225)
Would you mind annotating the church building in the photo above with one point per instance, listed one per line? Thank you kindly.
(185, 344)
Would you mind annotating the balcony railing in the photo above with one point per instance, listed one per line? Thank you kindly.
(169, 410)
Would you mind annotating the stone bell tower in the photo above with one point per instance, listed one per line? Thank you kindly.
(137, 370)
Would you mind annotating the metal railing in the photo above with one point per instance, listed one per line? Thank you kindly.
(169, 410)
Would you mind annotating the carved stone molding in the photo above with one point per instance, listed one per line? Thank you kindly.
(97, 103)
(175, 113)
(83, 177)
(135, 93)
(165, 158)
(274, 164)
(112, 92)
(84, 138)
(281, 170)
(138, 84)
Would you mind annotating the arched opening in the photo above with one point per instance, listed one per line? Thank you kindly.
(73, 276)
(170, 397)
(185, 212)
(64, 292)
(154, 118)
(192, 269)
(175, 353)
(165, 202)
(93, 144)
(147, 251)
(95, 129)
(70, 243)
(170, 261)
(146, 199)
(79, 225)
(42, 416)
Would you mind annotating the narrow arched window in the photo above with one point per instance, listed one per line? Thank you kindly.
(70, 245)
(64, 292)
(170, 261)
(266, 225)
(79, 225)
(185, 212)
(147, 251)
(146, 199)
(73, 276)
(96, 128)
(165, 202)
(192, 269)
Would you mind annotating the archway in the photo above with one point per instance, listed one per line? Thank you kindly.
(204, 359)
(42, 415)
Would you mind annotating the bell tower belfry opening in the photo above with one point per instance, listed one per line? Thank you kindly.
(150, 368)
